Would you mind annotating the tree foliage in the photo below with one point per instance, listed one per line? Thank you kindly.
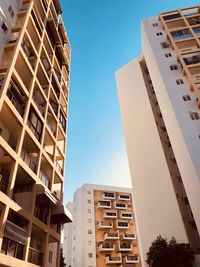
(62, 259)
(165, 254)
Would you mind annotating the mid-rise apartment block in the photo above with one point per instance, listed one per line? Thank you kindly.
(34, 85)
(160, 99)
(104, 228)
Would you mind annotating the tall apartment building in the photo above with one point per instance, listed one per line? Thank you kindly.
(104, 228)
(34, 77)
(160, 99)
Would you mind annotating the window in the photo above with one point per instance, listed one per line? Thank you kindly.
(186, 97)
(89, 201)
(194, 115)
(159, 33)
(89, 242)
(168, 54)
(90, 255)
(4, 27)
(89, 220)
(50, 256)
(89, 210)
(179, 81)
(155, 24)
(11, 11)
(89, 231)
(89, 192)
(173, 67)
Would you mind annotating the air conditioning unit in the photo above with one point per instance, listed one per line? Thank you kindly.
(164, 44)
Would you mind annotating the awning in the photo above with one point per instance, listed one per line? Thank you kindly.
(41, 189)
(61, 55)
(57, 6)
(61, 214)
(16, 233)
(63, 32)
(51, 28)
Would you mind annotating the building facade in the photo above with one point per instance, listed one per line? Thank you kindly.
(104, 228)
(34, 84)
(159, 101)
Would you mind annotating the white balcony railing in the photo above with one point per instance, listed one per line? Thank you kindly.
(107, 225)
(104, 204)
(107, 247)
(129, 236)
(132, 259)
(113, 259)
(113, 235)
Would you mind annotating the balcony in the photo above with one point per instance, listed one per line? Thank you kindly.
(126, 215)
(122, 225)
(59, 168)
(3, 184)
(107, 247)
(104, 204)
(16, 97)
(113, 259)
(105, 225)
(23, 189)
(112, 235)
(45, 180)
(195, 59)
(35, 256)
(29, 161)
(129, 236)
(35, 124)
(36, 250)
(124, 197)
(29, 52)
(62, 120)
(132, 259)
(110, 214)
(120, 206)
(41, 211)
(181, 34)
(124, 247)
(108, 195)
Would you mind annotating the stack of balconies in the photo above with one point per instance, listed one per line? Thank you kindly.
(118, 237)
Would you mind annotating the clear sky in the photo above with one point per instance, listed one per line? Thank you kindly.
(104, 35)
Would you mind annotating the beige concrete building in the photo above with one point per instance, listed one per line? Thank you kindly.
(104, 228)
(34, 84)
(159, 99)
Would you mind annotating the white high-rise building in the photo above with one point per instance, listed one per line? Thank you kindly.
(104, 228)
(159, 99)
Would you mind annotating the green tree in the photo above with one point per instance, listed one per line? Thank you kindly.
(62, 259)
(164, 254)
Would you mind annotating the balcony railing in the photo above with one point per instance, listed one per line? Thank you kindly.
(31, 58)
(132, 259)
(114, 235)
(114, 260)
(19, 107)
(104, 204)
(109, 195)
(122, 225)
(127, 215)
(107, 247)
(51, 128)
(125, 247)
(45, 180)
(35, 256)
(129, 236)
(192, 60)
(27, 159)
(3, 184)
(105, 225)
(110, 214)
(59, 168)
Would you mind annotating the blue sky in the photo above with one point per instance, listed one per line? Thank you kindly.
(104, 35)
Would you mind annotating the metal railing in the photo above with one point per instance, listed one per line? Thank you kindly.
(35, 256)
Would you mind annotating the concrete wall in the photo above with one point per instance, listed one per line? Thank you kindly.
(183, 132)
(157, 211)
